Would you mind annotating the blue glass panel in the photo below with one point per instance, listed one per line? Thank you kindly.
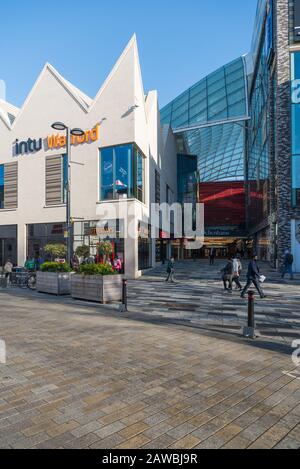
(140, 177)
(123, 171)
(106, 171)
(296, 171)
(296, 129)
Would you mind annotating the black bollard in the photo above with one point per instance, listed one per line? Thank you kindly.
(249, 331)
(123, 307)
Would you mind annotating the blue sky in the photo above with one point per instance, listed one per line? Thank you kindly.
(180, 41)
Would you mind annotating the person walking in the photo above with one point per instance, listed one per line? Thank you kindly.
(253, 276)
(212, 256)
(288, 265)
(8, 268)
(75, 263)
(171, 270)
(227, 275)
(237, 270)
(117, 265)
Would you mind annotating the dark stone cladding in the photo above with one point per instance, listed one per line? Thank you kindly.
(285, 212)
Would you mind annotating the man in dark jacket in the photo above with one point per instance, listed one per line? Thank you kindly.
(227, 275)
(171, 270)
(253, 276)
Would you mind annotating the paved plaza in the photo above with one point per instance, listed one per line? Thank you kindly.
(173, 372)
(197, 299)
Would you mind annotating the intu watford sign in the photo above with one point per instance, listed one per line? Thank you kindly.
(54, 141)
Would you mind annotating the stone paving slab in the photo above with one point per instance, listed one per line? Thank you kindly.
(80, 376)
(197, 299)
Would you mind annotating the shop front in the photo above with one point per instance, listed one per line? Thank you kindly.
(8, 244)
(93, 233)
(40, 235)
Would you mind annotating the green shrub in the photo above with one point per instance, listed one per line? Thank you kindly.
(55, 267)
(97, 269)
(56, 251)
(83, 251)
(105, 249)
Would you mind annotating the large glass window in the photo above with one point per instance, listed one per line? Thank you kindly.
(144, 246)
(91, 233)
(39, 235)
(296, 180)
(295, 76)
(121, 173)
(1, 186)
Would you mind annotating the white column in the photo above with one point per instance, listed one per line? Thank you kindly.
(22, 244)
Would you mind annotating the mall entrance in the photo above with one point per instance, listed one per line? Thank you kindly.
(224, 247)
(8, 244)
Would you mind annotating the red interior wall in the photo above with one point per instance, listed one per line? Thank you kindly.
(224, 203)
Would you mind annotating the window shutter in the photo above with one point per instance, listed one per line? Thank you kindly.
(54, 172)
(11, 185)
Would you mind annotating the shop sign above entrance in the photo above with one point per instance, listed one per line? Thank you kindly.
(54, 141)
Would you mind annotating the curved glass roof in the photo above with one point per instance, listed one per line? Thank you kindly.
(210, 117)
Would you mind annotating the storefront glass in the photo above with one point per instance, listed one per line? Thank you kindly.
(39, 235)
(91, 233)
(8, 244)
(295, 76)
(144, 246)
(121, 173)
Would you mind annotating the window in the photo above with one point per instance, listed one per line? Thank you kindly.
(39, 235)
(295, 74)
(157, 187)
(140, 171)
(144, 246)
(121, 173)
(168, 194)
(296, 180)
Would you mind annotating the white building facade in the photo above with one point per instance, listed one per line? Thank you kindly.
(123, 164)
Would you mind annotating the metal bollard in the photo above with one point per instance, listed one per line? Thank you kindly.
(123, 306)
(249, 331)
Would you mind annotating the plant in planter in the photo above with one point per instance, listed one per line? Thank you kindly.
(55, 267)
(105, 250)
(83, 252)
(54, 278)
(97, 282)
(56, 251)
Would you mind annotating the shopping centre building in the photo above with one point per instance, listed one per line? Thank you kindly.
(243, 124)
(124, 160)
(231, 141)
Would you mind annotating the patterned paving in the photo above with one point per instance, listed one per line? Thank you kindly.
(198, 300)
(83, 376)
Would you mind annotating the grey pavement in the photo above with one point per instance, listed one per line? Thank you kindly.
(83, 376)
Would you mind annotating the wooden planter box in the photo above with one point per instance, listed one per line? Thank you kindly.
(98, 288)
(53, 283)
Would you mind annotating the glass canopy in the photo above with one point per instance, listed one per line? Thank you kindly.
(210, 117)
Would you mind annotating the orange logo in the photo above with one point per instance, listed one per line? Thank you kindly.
(60, 141)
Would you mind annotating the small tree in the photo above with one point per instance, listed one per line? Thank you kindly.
(105, 249)
(56, 251)
(83, 251)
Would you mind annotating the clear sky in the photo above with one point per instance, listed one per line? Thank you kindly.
(180, 41)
